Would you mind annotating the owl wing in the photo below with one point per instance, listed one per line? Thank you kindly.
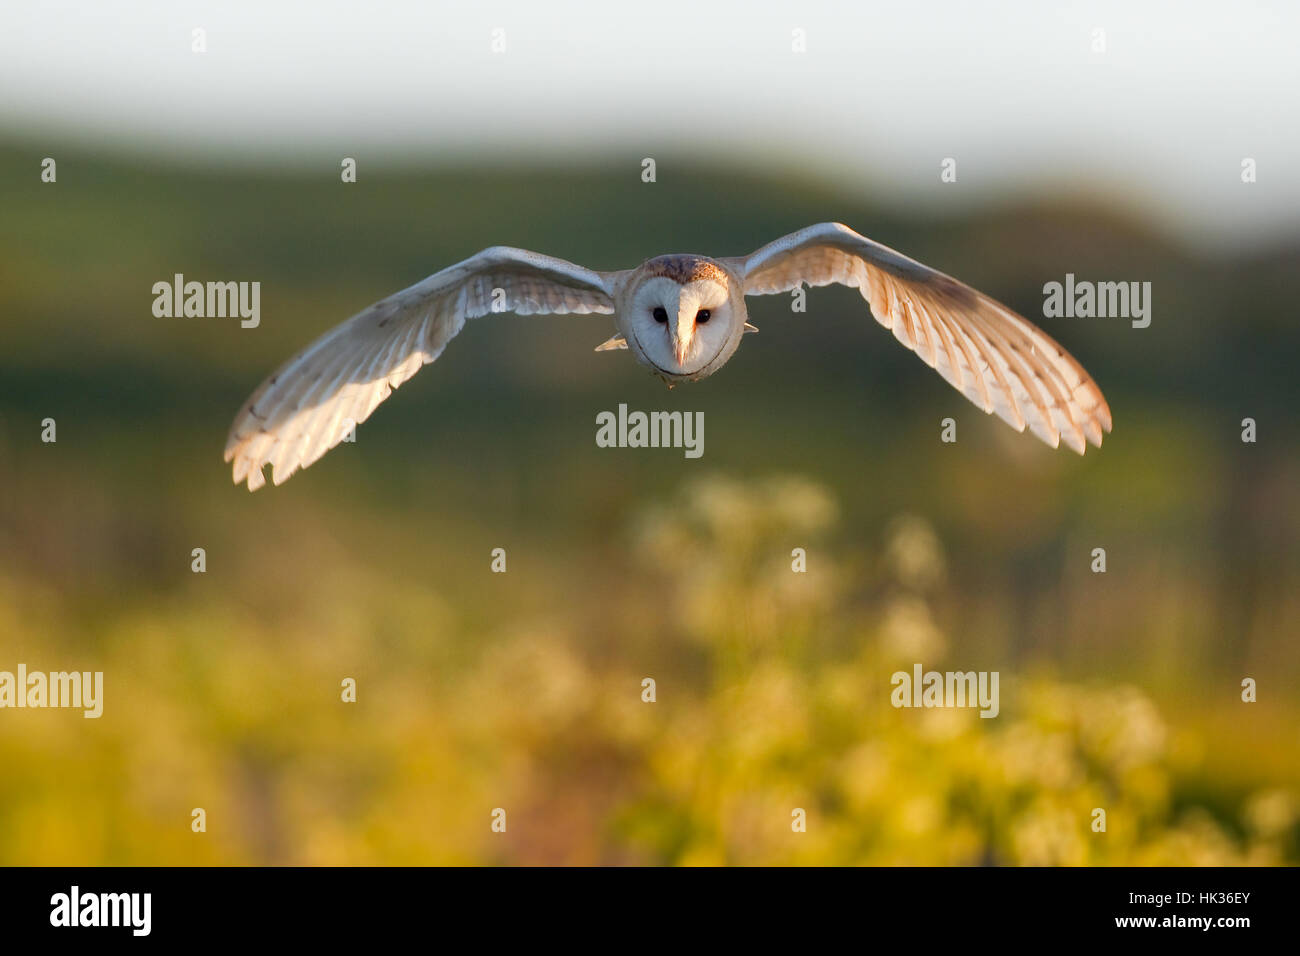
(996, 358)
(315, 398)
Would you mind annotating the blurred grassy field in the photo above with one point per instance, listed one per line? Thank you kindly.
(522, 690)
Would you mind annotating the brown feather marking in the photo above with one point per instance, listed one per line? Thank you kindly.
(685, 268)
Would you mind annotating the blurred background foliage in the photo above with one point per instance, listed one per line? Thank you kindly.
(523, 690)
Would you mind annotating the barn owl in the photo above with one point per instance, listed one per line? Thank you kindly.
(681, 316)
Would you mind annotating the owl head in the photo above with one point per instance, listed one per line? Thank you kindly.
(682, 318)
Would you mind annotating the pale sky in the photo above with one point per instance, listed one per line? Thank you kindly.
(886, 90)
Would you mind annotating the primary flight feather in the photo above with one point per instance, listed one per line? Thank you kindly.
(683, 316)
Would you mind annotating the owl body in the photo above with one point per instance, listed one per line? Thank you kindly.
(681, 316)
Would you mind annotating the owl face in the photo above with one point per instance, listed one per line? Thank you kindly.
(682, 330)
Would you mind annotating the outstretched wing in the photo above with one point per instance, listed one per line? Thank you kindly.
(314, 399)
(996, 358)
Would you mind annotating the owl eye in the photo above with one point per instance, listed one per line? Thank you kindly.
(703, 315)
(660, 314)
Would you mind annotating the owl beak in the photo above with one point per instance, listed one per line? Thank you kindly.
(682, 334)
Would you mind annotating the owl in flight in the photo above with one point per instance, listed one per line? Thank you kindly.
(683, 317)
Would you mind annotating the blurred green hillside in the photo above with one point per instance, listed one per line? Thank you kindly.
(522, 690)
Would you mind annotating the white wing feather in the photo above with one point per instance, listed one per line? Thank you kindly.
(310, 403)
(996, 358)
